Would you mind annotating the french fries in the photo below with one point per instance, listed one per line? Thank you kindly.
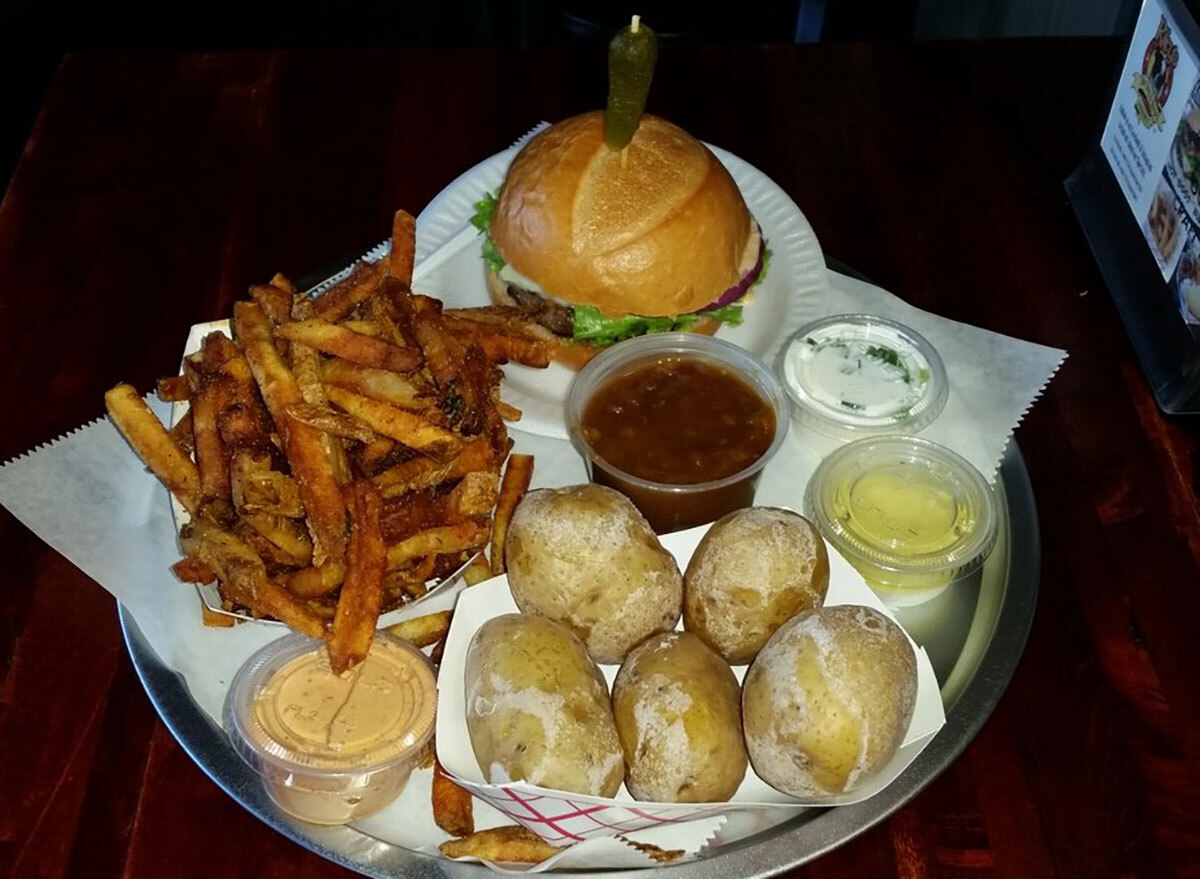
(511, 844)
(362, 589)
(423, 630)
(338, 455)
(516, 482)
(479, 570)
(154, 445)
(349, 345)
(452, 807)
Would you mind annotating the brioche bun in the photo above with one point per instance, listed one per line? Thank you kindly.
(658, 228)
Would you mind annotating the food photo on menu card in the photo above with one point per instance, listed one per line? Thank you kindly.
(583, 523)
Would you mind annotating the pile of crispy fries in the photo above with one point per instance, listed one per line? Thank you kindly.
(347, 450)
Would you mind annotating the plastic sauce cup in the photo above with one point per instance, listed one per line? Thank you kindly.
(911, 516)
(666, 506)
(329, 748)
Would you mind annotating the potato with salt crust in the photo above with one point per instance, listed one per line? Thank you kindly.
(538, 708)
(679, 715)
(828, 700)
(584, 556)
(753, 571)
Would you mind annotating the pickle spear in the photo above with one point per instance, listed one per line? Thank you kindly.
(631, 57)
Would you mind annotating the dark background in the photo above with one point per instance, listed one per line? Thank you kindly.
(34, 36)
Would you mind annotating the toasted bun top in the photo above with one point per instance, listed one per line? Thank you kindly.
(658, 228)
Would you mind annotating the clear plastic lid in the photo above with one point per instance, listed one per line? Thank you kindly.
(856, 375)
(287, 710)
(907, 512)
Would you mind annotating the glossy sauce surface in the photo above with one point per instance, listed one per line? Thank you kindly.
(678, 421)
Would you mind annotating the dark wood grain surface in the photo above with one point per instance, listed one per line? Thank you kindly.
(155, 188)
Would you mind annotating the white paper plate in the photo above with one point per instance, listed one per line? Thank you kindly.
(792, 294)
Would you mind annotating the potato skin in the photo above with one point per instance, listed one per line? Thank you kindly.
(679, 717)
(538, 708)
(828, 700)
(753, 571)
(585, 557)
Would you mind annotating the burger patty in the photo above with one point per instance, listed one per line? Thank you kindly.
(555, 317)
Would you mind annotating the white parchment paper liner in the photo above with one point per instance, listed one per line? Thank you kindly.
(561, 818)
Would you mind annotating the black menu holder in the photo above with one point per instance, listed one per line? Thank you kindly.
(1152, 291)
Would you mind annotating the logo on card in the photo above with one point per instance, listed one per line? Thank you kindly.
(1153, 84)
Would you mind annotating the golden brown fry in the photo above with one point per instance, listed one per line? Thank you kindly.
(211, 618)
(661, 855)
(479, 570)
(362, 589)
(287, 535)
(306, 366)
(259, 489)
(315, 582)
(212, 456)
(444, 539)
(243, 574)
(274, 301)
(404, 244)
(507, 412)
(426, 472)
(424, 630)
(189, 570)
(283, 283)
(327, 420)
(473, 497)
(499, 346)
(182, 433)
(173, 389)
(406, 427)
(452, 805)
(380, 316)
(373, 457)
(349, 345)
(378, 384)
(342, 297)
(517, 475)
(154, 445)
(511, 844)
(366, 328)
(318, 485)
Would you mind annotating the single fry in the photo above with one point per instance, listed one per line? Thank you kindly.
(182, 433)
(340, 299)
(328, 421)
(479, 570)
(349, 345)
(378, 384)
(315, 582)
(306, 366)
(212, 456)
(452, 805)
(189, 570)
(499, 346)
(392, 421)
(362, 588)
(424, 630)
(507, 412)
(512, 844)
(366, 328)
(154, 445)
(517, 475)
(274, 301)
(211, 618)
(319, 489)
(173, 389)
(404, 245)
(287, 535)
(374, 456)
(445, 539)
(283, 283)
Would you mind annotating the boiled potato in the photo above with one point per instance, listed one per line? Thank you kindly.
(679, 716)
(585, 557)
(753, 571)
(538, 708)
(828, 700)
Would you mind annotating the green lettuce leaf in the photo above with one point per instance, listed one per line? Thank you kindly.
(484, 208)
(762, 273)
(593, 326)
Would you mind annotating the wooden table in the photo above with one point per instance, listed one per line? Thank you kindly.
(155, 188)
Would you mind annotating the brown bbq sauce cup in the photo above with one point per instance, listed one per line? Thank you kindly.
(673, 507)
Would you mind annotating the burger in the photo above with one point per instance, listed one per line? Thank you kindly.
(598, 245)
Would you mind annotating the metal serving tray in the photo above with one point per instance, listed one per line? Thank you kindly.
(974, 635)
